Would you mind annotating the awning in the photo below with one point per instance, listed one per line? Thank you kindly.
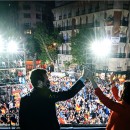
(30, 62)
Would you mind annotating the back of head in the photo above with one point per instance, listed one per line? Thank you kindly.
(36, 75)
(126, 92)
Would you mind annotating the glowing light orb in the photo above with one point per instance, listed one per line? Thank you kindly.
(101, 48)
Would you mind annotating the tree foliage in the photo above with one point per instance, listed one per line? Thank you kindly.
(80, 45)
(43, 43)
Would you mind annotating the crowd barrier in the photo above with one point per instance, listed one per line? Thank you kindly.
(82, 128)
(67, 127)
(62, 128)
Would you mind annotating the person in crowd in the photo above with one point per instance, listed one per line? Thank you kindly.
(120, 111)
(43, 100)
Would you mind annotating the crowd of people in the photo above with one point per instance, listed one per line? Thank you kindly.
(10, 96)
(83, 108)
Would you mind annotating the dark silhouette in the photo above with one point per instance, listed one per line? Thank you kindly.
(37, 111)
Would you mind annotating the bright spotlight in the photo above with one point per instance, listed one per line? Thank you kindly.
(101, 48)
(1, 45)
(1, 48)
(12, 47)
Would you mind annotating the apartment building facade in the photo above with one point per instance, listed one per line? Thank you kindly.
(109, 16)
(29, 14)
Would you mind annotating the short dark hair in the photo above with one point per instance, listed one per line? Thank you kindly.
(37, 74)
(126, 92)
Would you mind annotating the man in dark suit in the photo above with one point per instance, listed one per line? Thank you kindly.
(37, 111)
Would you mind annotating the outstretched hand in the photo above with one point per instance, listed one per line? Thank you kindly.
(111, 77)
(87, 73)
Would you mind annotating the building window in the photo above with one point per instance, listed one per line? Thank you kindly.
(77, 12)
(65, 16)
(126, 5)
(27, 25)
(56, 24)
(38, 16)
(90, 9)
(60, 17)
(110, 5)
(26, 7)
(38, 8)
(80, 21)
(86, 19)
(97, 7)
(28, 31)
(67, 23)
(83, 11)
(69, 15)
(27, 15)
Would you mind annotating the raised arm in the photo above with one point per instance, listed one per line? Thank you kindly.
(114, 88)
(117, 107)
(60, 96)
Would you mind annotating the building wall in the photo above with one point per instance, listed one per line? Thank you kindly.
(110, 17)
(30, 13)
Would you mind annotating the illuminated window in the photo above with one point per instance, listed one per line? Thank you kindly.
(28, 31)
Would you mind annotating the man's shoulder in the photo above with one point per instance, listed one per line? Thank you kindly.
(26, 97)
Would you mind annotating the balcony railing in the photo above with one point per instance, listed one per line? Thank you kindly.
(69, 15)
(77, 13)
(128, 68)
(67, 52)
(123, 39)
(88, 25)
(124, 22)
(118, 55)
(128, 56)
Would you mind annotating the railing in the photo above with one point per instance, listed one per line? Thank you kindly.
(62, 128)
(83, 127)
(118, 55)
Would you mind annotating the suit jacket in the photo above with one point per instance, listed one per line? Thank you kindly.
(37, 111)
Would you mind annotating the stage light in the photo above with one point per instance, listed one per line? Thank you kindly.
(12, 47)
(101, 48)
(1, 45)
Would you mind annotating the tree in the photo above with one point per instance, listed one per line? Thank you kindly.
(42, 43)
(80, 45)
